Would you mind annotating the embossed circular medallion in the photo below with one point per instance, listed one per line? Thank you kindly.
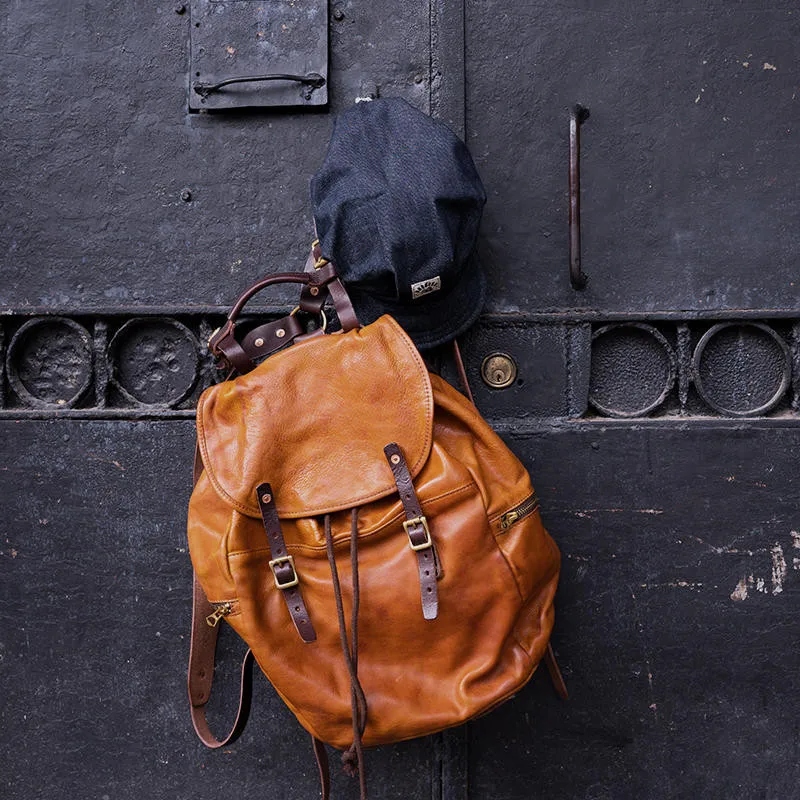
(633, 369)
(49, 362)
(741, 369)
(154, 361)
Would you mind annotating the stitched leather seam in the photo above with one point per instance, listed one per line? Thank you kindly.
(344, 539)
(253, 511)
(510, 569)
(429, 406)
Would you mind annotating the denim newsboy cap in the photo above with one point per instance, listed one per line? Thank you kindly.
(397, 204)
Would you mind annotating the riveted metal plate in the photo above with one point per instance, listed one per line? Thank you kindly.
(240, 38)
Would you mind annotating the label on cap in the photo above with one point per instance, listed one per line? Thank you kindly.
(426, 287)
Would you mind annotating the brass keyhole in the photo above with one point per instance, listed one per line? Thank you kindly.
(498, 370)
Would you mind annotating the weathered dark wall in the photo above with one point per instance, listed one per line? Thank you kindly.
(657, 409)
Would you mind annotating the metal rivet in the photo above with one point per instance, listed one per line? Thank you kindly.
(338, 15)
(186, 195)
(314, 290)
(180, 9)
(259, 342)
(418, 78)
(395, 459)
(280, 333)
(266, 498)
(498, 370)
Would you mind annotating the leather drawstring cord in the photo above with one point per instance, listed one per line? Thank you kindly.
(353, 758)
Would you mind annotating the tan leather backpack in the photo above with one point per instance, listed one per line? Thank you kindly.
(340, 478)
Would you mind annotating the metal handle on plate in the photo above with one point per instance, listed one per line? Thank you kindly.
(314, 80)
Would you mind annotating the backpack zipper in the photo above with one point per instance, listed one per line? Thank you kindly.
(527, 506)
(221, 610)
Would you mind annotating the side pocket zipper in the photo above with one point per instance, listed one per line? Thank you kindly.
(527, 506)
(221, 610)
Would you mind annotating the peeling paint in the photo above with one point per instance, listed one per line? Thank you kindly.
(778, 569)
(726, 549)
(740, 592)
(672, 585)
(767, 65)
(586, 513)
(795, 539)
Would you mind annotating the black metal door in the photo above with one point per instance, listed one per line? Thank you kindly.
(656, 407)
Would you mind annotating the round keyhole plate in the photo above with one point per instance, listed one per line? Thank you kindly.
(498, 370)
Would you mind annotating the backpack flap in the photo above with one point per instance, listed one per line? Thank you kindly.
(313, 420)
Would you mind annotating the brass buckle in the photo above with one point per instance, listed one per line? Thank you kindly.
(284, 559)
(418, 521)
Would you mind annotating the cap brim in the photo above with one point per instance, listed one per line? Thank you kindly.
(432, 320)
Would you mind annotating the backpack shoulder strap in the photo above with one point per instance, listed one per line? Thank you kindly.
(202, 654)
(202, 651)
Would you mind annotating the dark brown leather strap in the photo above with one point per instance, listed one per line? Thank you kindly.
(272, 336)
(202, 651)
(555, 673)
(419, 535)
(319, 284)
(282, 565)
(462, 373)
(317, 278)
(228, 351)
(321, 754)
(344, 308)
(313, 298)
(353, 757)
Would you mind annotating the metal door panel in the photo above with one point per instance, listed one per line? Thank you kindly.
(135, 223)
(688, 197)
(677, 622)
(127, 199)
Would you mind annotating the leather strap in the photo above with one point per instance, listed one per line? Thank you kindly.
(271, 337)
(318, 284)
(462, 373)
(344, 308)
(228, 351)
(416, 526)
(321, 754)
(202, 651)
(282, 565)
(313, 298)
(555, 673)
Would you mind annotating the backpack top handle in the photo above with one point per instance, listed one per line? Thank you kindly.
(320, 283)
